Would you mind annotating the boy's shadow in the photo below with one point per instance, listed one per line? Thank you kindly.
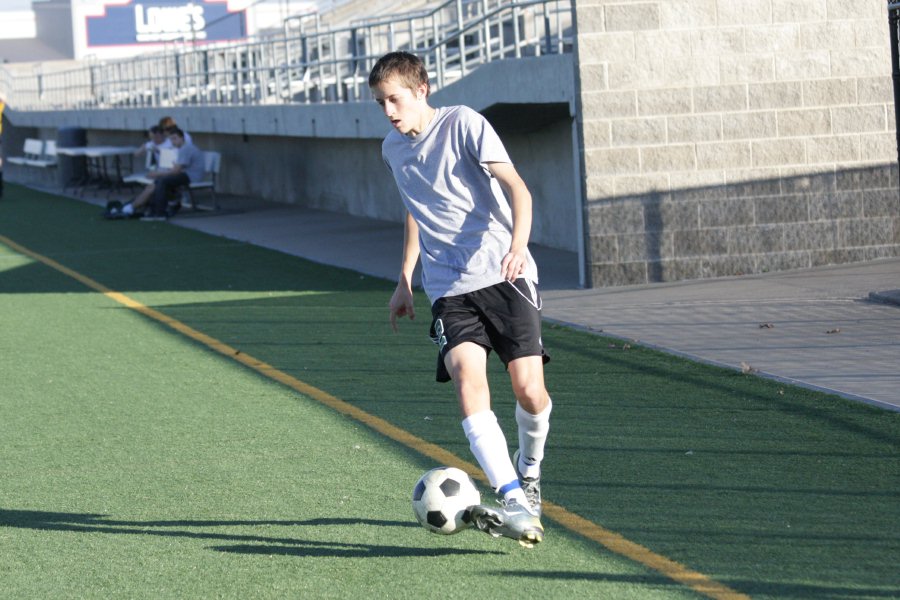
(233, 543)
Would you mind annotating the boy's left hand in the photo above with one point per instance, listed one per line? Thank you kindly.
(513, 264)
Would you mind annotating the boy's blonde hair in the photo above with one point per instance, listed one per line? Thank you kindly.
(407, 67)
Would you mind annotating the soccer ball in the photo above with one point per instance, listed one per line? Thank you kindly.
(441, 500)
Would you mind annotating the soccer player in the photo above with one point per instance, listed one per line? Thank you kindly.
(452, 172)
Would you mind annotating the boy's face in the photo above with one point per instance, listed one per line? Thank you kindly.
(177, 140)
(407, 109)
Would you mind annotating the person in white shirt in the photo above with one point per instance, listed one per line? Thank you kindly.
(468, 216)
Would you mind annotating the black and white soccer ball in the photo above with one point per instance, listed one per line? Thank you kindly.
(441, 500)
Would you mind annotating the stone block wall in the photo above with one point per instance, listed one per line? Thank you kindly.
(721, 137)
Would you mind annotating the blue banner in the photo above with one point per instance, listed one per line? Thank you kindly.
(137, 22)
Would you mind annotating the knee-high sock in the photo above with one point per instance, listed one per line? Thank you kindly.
(488, 444)
(533, 430)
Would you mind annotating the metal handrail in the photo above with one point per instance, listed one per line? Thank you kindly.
(315, 65)
(894, 27)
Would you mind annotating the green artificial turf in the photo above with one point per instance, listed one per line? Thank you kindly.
(135, 462)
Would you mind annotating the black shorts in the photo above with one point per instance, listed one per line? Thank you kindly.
(504, 317)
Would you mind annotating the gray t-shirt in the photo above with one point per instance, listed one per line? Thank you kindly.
(190, 157)
(464, 219)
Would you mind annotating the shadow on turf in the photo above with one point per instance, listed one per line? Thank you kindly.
(829, 410)
(326, 549)
(243, 544)
(767, 588)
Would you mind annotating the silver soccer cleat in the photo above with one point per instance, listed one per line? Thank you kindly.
(510, 520)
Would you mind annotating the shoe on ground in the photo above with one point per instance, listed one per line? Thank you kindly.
(530, 485)
(510, 520)
(113, 210)
(173, 207)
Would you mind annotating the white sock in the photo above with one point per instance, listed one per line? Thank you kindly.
(128, 209)
(488, 444)
(533, 430)
(517, 494)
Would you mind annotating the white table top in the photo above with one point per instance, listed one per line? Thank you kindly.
(96, 151)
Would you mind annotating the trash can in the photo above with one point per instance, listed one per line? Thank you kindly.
(71, 169)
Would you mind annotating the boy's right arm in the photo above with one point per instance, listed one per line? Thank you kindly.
(401, 303)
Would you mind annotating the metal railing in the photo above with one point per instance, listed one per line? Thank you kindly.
(894, 25)
(306, 63)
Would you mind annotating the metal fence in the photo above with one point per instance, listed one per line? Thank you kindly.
(306, 63)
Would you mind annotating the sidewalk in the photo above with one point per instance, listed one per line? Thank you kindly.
(835, 329)
(818, 328)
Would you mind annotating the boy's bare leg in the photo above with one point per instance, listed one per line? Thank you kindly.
(134, 207)
(527, 377)
(143, 197)
(467, 365)
(533, 420)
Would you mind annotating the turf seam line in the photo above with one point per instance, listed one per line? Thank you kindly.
(612, 541)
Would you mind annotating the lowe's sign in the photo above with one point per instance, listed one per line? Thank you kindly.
(155, 21)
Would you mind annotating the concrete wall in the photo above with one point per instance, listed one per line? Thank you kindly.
(329, 156)
(722, 137)
(545, 159)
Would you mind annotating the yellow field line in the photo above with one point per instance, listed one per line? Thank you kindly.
(611, 540)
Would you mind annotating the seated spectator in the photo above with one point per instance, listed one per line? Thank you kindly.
(156, 139)
(189, 166)
(167, 124)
